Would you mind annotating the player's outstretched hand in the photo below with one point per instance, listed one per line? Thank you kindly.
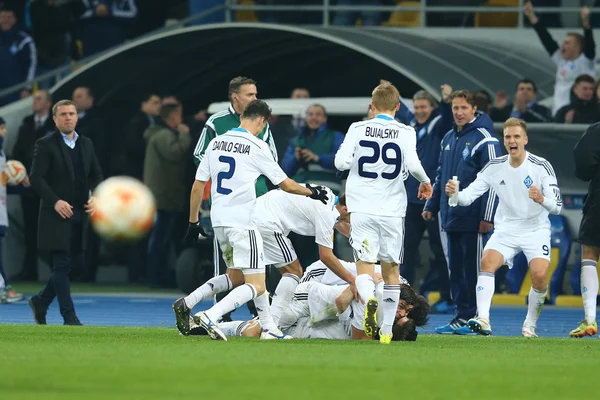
(425, 191)
(318, 193)
(451, 188)
(194, 231)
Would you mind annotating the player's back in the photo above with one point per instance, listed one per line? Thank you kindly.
(232, 158)
(376, 181)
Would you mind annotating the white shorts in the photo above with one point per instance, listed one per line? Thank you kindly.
(297, 309)
(534, 244)
(375, 237)
(278, 249)
(242, 249)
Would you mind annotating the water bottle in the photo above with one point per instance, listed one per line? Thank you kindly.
(453, 200)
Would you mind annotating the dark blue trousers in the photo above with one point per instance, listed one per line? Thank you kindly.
(161, 239)
(464, 251)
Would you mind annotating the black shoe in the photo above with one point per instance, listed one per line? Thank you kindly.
(39, 309)
(182, 316)
(73, 321)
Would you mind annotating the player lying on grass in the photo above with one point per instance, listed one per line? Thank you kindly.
(320, 311)
(276, 214)
(527, 188)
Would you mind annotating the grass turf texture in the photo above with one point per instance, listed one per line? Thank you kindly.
(58, 362)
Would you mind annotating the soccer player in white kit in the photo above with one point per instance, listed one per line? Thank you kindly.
(527, 188)
(378, 152)
(278, 213)
(233, 162)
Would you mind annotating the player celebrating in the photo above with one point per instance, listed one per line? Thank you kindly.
(376, 152)
(527, 191)
(233, 161)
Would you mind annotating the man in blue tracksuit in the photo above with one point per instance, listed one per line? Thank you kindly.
(431, 124)
(465, 150)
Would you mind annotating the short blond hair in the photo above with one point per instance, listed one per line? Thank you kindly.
(386, 97)
(512, 121)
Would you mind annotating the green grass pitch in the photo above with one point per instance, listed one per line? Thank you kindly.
(57, 362)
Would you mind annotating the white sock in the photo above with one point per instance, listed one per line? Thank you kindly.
(263, 310)
(233, 328)
(283, 295)
(589, 288)
(215, 285)
(365, 286)
(235, 299)
(486, 284)
(391, 297)
(534, 308)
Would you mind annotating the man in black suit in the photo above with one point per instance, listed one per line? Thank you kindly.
(64, 170)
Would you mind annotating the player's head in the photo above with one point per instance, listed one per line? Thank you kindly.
(572, 46)
(342, 224)
(242, 91)
(2, 127)
(424, 104)
(385, 99)
(255, 116)
(463, 107)
(419, 313)
(515, 137)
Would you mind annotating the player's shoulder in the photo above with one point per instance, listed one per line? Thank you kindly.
(495, 164)
(218, 115)
(541, 163)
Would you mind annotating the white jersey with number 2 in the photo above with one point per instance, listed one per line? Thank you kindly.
(379, 152)
(233, 162)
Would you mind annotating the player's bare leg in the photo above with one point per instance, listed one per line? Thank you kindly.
(290, 277)
(589, 291)
(221, 283)
(538, 268)
(263, 309)
(391, 298)
(366, 289)
(491, 261)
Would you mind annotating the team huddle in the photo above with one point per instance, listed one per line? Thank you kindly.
(368, 299)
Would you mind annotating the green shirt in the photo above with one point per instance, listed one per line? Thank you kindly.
(222, 122)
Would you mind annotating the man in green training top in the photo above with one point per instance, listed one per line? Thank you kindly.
(242, 91)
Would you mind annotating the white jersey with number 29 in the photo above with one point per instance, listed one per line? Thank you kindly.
(379, 152)
(233, 162)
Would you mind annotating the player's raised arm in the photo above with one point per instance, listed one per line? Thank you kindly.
(432, 206)
(345, 154)
(476, 189)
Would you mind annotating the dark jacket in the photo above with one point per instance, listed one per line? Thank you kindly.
(429, 137)
(52, 179)
(587, 166)
(586, 111)
(135, 144)
(18, 59)
(93, 126)
(28, 135)
(535, 113)
(464, 154)
(164, 166)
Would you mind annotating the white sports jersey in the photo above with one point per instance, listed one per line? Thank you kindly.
(566, 73)
(324, 275)
(379, 152)
(516, 211)
(233, 161)
(283, 212)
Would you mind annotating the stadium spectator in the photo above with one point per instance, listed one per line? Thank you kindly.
(298, 120)
(367, 18)
(465, 150)
(583, 108)
(7, 293)
(483, 101)
(135, 144)
(309, 157)
(587, 168)
(167, 141)
(525, 105)
(18, 56)
(105, 23)
(52, 24)
(64, 171)
(431, 124)
(34, 126)
(91, 124)
(575, 57)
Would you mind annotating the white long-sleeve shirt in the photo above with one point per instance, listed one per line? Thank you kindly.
(379, 153)
(516, 211)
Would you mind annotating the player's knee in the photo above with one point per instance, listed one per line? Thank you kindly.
(294, 268)
(260, 287)
(252, 330)
(491, 261)
(590, 252)
(235, 276)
